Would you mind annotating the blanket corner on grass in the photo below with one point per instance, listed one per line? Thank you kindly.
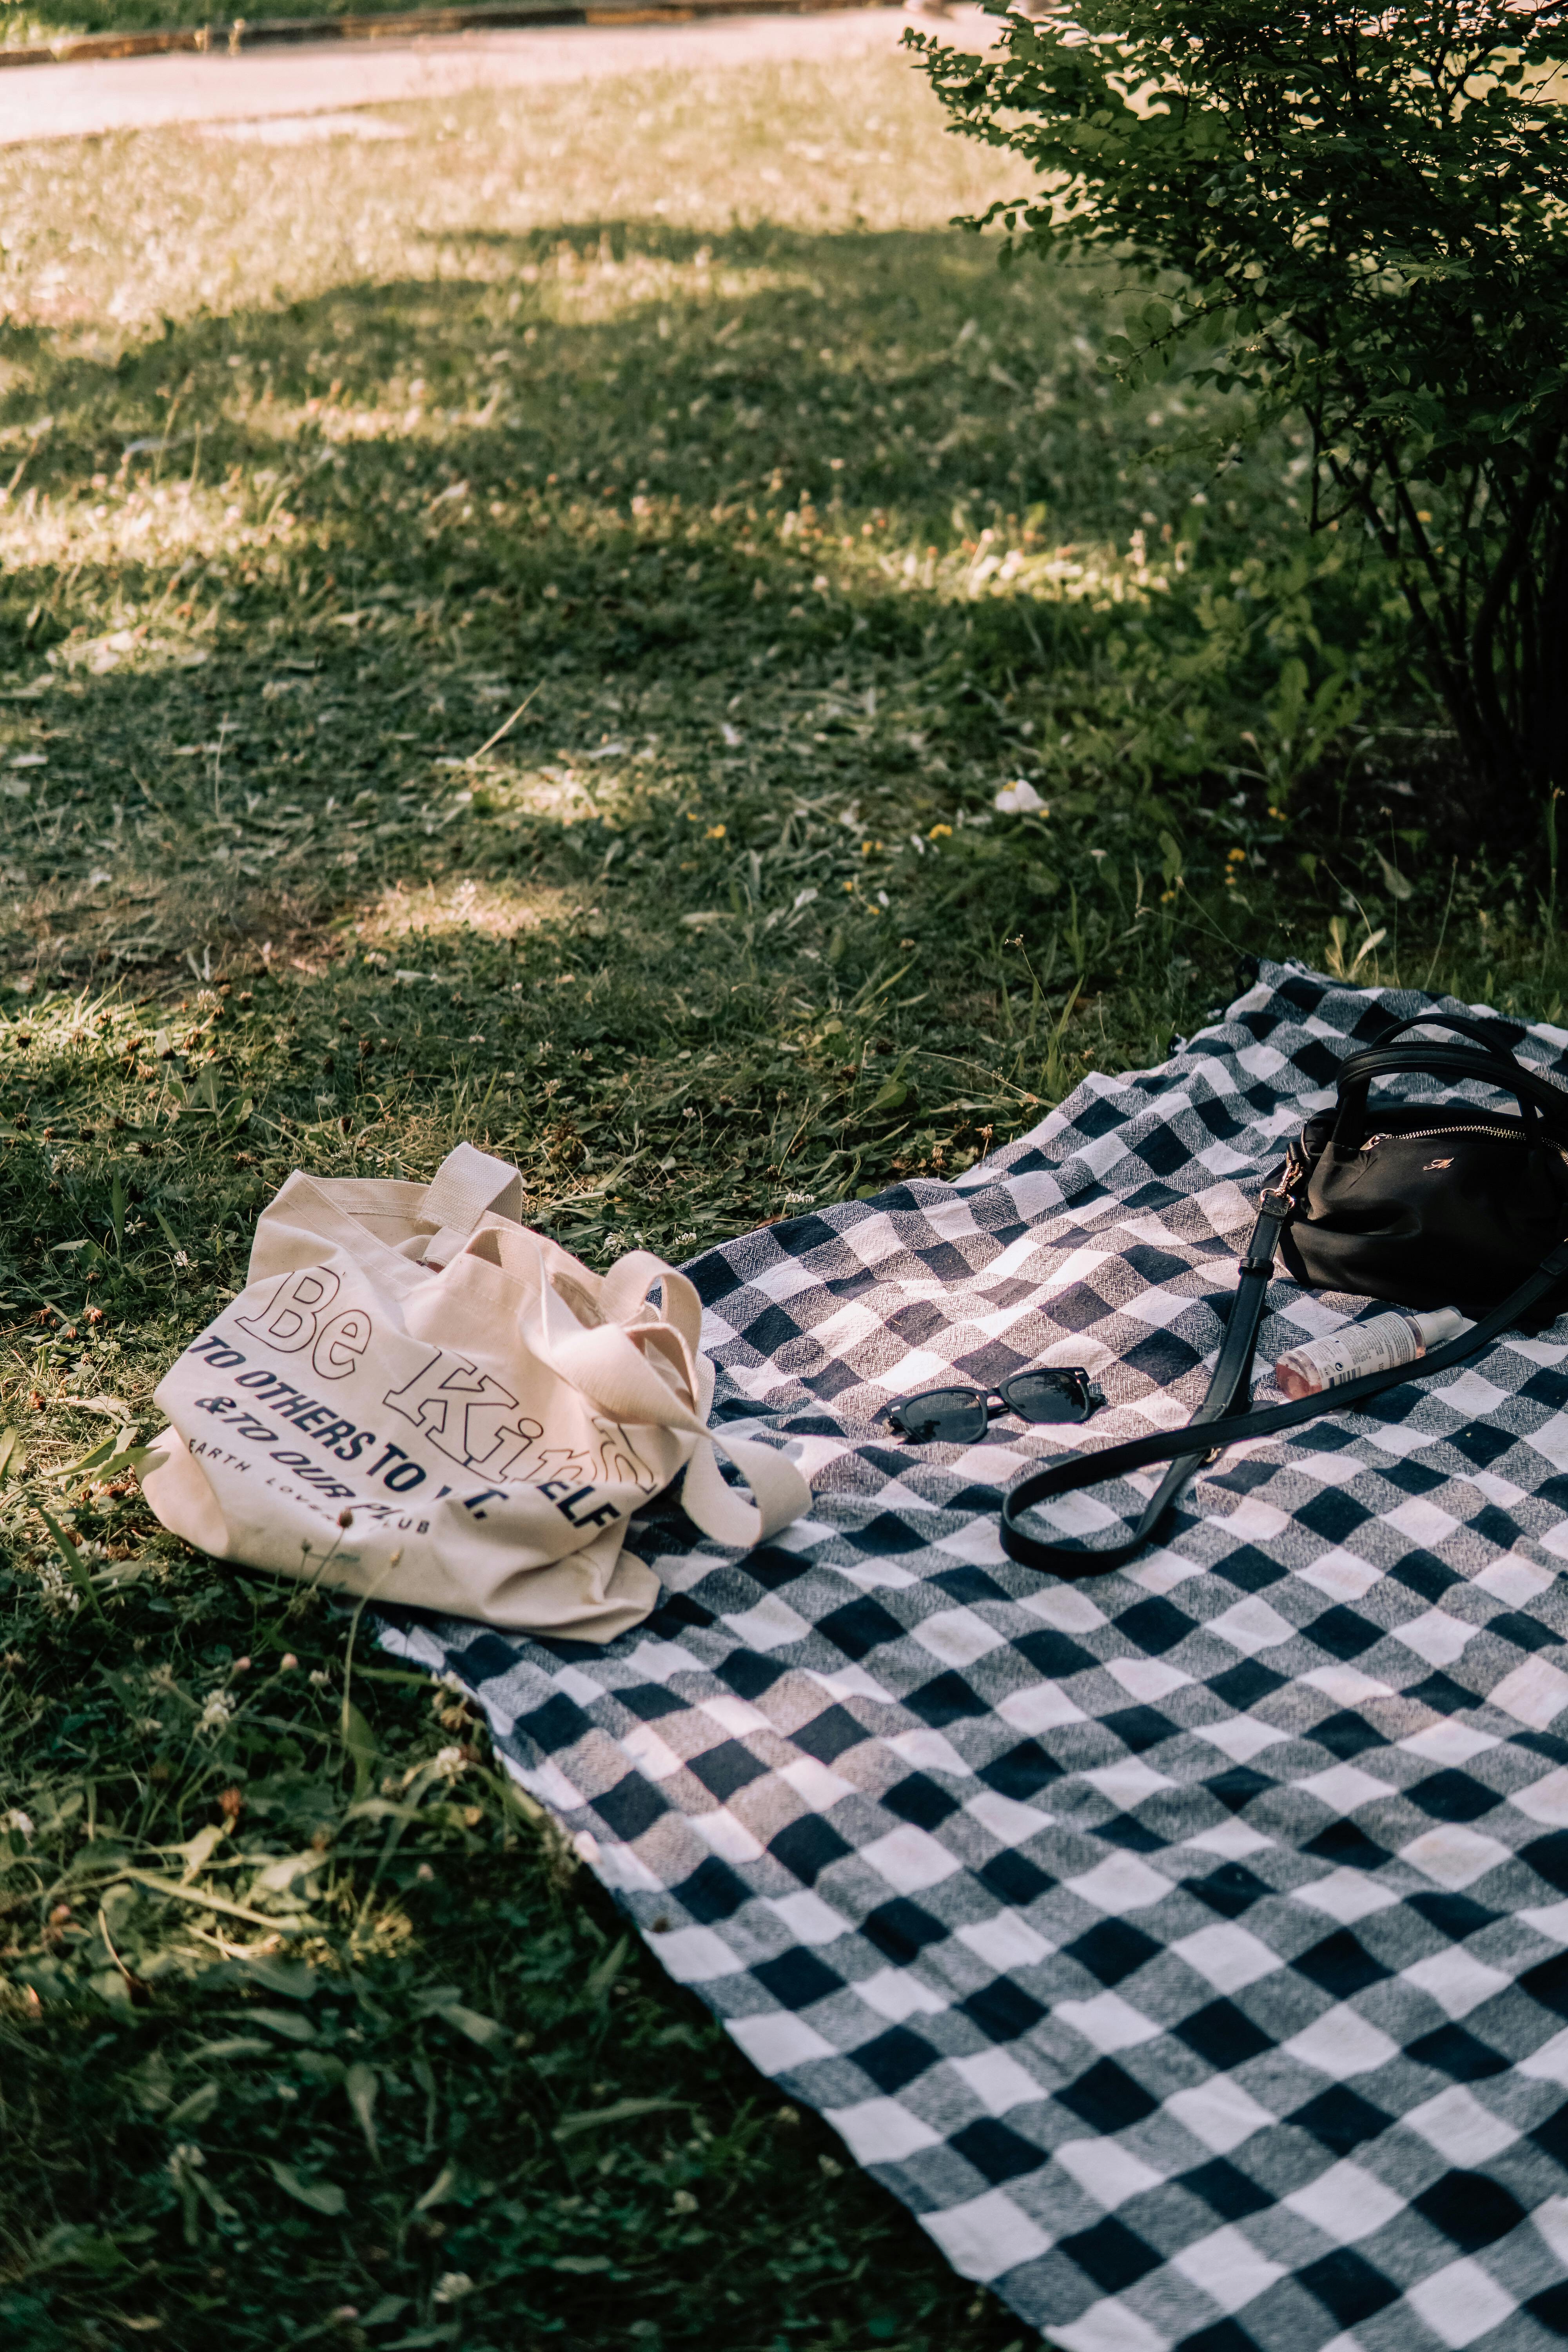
(1187, 1947)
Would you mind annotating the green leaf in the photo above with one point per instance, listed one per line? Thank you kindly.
(439, 2190)
(623, 2111)
(175, 1243)
(277, 1877)
(360, 2084)
(320, 2196)
(141, 1458)
(287, 2022)
(197, 2107)
(358, 1743)
(12, 1458)
(295, 1979)
(321, 2066)
(205, 1900)
(200, 1849)
(99, 1453)
(603, 1975)
(71, 2242)
(1397, 885)
(487, 2032)
(74, 1566)
(233, 2045)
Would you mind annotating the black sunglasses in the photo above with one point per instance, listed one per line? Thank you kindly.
(960, 1416)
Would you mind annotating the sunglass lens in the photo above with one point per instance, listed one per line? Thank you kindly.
(1048, 1396)
(942, 1417)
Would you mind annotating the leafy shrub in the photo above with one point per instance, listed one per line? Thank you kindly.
(1358, 218)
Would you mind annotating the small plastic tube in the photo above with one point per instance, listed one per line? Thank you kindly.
(1379, 1345)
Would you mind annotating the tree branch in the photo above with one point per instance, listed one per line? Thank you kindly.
(1483, 635)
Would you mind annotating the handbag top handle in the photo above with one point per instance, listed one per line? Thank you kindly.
(1543, 1105)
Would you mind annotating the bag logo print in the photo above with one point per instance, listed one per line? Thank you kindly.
(1430, 1164)
(448, 1411)
(292, 1321)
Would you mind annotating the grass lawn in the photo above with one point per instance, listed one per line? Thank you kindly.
(676, 408)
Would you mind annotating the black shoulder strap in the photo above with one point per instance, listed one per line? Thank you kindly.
(1223, 1415)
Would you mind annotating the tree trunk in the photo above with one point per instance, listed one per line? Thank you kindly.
(1546, 720)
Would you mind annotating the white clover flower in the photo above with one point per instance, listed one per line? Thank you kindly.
(453, 2286)
(218, 1710)
(449, 1762)
(1020, 799)
(59, 1594)
(17, 1819)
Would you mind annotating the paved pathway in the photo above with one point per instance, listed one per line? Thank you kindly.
(76, 101)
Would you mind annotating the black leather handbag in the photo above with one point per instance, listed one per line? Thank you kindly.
(1429, 1205)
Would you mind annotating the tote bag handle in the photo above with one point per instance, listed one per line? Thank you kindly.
(619, 1365)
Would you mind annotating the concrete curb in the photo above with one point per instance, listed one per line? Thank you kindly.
(276, 32)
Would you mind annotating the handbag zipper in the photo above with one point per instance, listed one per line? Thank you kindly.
(1426, 1134)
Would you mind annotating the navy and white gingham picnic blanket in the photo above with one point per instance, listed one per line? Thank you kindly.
(1188, 1947)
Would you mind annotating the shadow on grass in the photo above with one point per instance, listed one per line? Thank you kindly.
(898, 372)
(633, 449)
(693, 752)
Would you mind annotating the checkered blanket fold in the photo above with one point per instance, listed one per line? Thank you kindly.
(1187, 1947)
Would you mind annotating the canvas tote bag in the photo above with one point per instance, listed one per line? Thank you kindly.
(417, 1398)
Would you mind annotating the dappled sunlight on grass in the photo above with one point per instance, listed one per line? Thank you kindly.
(691, 153)
(604, 629)
(461, 906)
